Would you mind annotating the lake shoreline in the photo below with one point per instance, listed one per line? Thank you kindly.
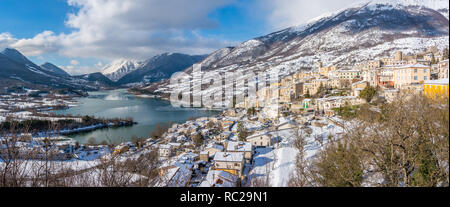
(146, 111)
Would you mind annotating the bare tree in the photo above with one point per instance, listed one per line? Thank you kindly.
(301, 176)
(405, 144)
(13, 159)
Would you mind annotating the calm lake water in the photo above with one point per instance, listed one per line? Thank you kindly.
(147, 112)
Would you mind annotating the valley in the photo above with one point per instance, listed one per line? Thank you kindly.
(353, 98)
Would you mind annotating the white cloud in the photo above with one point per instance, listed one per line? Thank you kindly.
(45, 42)
(138, 29)
(6, 40)
(99, 64)
(76, 69)
(74, 62)
(110, 29)
(287, 13)
(69, 67)
(79, 70)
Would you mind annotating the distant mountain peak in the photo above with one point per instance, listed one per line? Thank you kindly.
(53, 68)
(10, 50)
(119, 68)
(432, 4)
(160, 67)
(15, 55)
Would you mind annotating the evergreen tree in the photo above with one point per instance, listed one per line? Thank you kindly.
(368, 93)
(242, 132)
(307, 95)
(433, 59)
(445, 53)
(339, 165)
(428, 167)
(198, 139)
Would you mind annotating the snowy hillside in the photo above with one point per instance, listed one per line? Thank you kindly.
(119, 68)
(361, 32)
(158, 67)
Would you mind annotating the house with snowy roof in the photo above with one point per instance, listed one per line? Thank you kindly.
(219, 178)
(437, 89)
(165, 150)
(213, 148)
(260, 139)
(174, 176)
(231, 162)
(245, 147)
(411, 74)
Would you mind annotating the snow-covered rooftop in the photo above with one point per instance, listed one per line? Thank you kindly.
(219, 178)
(165, 146)
(216, 146)
(239, 146)
(229, 157)
(175, 144)
(413, 66)
(443, 81)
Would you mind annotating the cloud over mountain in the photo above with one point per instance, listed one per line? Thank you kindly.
(287, 13)
(110, 29)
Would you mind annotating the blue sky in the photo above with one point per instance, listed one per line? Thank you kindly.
(82, 36)
(26, 18)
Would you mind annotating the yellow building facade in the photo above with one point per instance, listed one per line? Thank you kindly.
(437, 89)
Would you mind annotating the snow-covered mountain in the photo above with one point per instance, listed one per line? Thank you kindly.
(16, 56)
(438, 5)
(153, 69)
(119, 68)
(16, 69)
(360, 32)
(159, 67)
(17, 66)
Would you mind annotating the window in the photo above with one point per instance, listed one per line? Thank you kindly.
(424, 70)
(425, 77)
(415, 77)
(415, 70)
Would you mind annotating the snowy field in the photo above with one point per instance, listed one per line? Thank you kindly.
(279, 162)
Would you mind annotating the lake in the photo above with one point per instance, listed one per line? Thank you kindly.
(148, 112)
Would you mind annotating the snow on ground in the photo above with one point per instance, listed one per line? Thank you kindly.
(31, 167)
(262, 163)
(279, 162)
(284, 166)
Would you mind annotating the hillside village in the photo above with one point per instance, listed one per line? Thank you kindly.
(355, 97)
(252, 144)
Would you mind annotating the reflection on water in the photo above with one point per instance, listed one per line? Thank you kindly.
(119, 103)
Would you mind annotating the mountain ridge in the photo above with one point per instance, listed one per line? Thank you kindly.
(360, 32)
(15, 68)
(159, 67)
(53, 68)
